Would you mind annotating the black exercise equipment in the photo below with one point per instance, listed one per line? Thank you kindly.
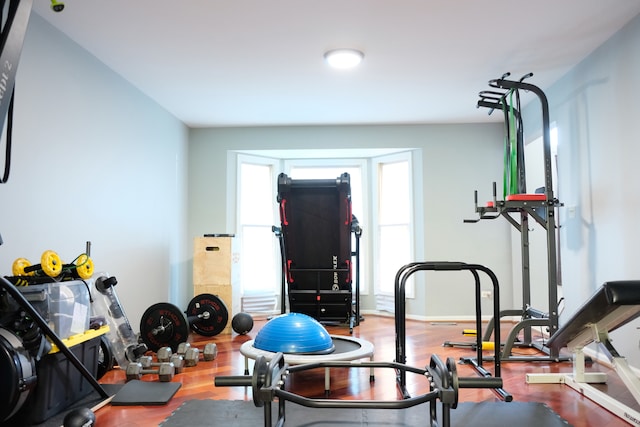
(315, 241)
(18, 372)
(403, 275)
(269, 378)
(20, 369)
(12, 33)
(207, 314)
(81, 417)
(105, 357)
(613, 305)
(242, 323)
(165, 325)
(517, 207)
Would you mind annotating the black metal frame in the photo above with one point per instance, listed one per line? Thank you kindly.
(403, 275)
(543, 212)
(268, 381)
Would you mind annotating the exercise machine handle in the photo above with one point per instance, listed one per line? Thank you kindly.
(233, 381)
(480, 382)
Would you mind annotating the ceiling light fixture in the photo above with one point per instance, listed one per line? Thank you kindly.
(344, 58)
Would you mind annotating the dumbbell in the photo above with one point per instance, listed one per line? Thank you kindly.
(164, 354)
(176, 359)
(192, 354)
(165, 371)
(189, 356)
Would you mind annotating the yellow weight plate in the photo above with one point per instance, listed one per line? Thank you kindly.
(84, 266)
(51, 263)
(19, 265)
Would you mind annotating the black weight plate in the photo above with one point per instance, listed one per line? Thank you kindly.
(105, 357)
(455, 384)
(217, 319)
(260, 372)
(163, 325)
(16, 369)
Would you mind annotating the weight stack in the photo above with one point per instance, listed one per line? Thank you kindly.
(216, 271)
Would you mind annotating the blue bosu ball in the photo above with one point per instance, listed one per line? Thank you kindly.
(294, 333)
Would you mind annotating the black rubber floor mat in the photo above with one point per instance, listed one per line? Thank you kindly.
(244, 414)
(135, 393)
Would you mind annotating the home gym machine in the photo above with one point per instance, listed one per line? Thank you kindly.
(517, 207)
(269, 378)
(403, 275)
(315, 242)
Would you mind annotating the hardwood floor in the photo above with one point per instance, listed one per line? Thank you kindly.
(423, 340)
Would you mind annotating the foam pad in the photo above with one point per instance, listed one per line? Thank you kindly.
(137, 393)
(525, 197)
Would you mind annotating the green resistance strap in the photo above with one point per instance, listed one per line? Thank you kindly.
(513, 151)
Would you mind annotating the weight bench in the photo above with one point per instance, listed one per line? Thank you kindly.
(614, 304)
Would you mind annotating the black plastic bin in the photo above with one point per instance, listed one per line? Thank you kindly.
(59, 383)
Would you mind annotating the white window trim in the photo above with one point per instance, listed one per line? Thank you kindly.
(254, 299)
(370, 157)
(416, 177)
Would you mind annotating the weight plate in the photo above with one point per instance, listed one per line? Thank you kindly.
(163, 325)
(260, 372)
(19, 265)
(105, 357)
(207, 314)
(455, 384)
(84, 267)
(51, 263)
(17, 370)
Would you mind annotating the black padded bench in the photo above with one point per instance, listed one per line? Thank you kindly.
(613, 305)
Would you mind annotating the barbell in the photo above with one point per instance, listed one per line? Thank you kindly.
(165, 325)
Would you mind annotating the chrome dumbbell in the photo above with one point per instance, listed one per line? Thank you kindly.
(165, 371)
(192, 355)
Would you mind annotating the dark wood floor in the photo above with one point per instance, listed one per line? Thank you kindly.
(423, 340)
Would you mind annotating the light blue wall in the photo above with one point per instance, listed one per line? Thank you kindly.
(456, 160)
(597, 110)
(95, 160)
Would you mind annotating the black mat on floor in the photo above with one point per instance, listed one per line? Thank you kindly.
(89, 401)
(136, 393)
(238, 413)
(133, 393)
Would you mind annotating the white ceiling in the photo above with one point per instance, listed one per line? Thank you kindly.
(260, 62)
